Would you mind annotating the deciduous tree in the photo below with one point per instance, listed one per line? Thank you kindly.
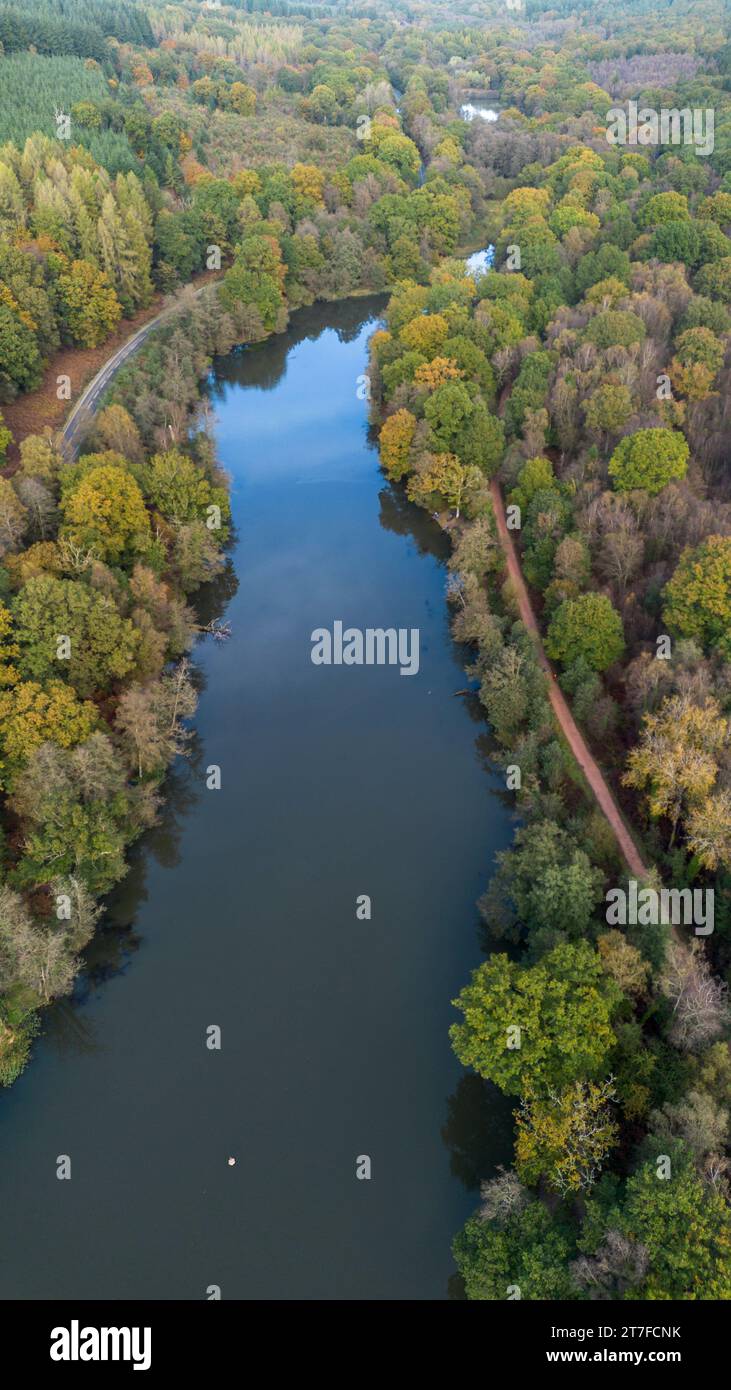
(106, 514)
(528, 1250)
(588, 627)
(649, 459)
(698, 597)
(103, 645)
(395, 439)
(560, 1008)
(565, 1136)
(675, 761)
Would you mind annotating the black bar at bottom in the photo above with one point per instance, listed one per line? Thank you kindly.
(115, 1338)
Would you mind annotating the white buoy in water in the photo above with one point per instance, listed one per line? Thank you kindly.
(231, 1162)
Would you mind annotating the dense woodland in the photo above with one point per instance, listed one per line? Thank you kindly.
(313, 152)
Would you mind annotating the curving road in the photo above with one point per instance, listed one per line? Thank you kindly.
(90, 397)
(574, 737)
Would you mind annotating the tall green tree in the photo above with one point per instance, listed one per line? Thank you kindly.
(698, 597)
(649, 459)
(561, 1009)
(587, 627)
(101, 644)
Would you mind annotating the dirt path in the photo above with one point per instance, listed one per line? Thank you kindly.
(573, 735)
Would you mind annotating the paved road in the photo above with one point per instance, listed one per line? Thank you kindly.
(89, 399)
(575, 738)
(86, 406)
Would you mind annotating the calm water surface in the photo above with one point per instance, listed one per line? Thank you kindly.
(240, 910)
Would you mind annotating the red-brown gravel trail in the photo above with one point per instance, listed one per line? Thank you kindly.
(566, 720)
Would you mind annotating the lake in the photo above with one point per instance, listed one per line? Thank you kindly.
(480, 261)
(468, 112)
(239, 912)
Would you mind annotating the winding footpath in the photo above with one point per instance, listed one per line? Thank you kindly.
(569, 727)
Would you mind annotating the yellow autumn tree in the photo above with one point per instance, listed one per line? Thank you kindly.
(32, 714)
(88, 303)
(9, 649)
(675, 762)
(445, 475)
(426, 334)
(106, 514)
(6, 438)
(565, 1136)
(44, 557)
(435, 373)
(395, 440)
(40, 458)
(308, 180)
(523, 203)
(708, 829)
(623, 962)
(241, 98)
(246, 183)
(379, 341)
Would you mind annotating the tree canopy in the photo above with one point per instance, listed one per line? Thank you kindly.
(649, 459)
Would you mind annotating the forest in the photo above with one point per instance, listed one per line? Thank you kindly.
(303, 153)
